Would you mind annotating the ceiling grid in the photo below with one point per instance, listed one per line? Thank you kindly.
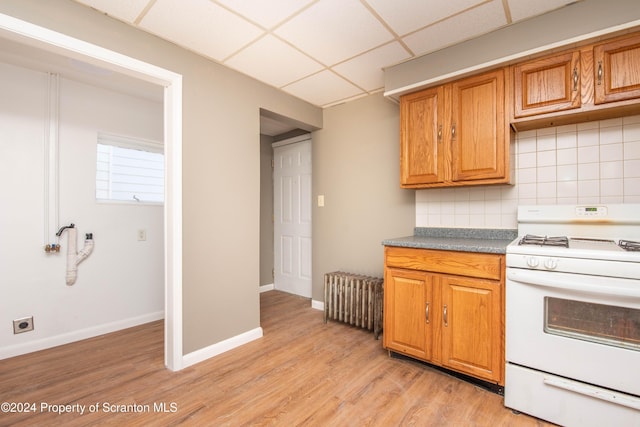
(325, 52)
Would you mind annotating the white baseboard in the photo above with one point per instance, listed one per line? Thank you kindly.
(221, 347)
(265, 288)
(318, 305)
(69, 337)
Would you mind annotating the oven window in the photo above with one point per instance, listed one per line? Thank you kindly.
(604, 324)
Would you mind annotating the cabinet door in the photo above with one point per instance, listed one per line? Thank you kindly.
(478, 128)
(547, 85)
(421, 154)
(472, 325)
(617, 70)
(407, 312)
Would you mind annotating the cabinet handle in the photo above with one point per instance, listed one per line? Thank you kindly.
(426, 311)
(444, 314)
(575, 79)
(599, 73)
(453, 131)
(440, 133)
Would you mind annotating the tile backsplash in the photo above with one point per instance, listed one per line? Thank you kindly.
(594, 162)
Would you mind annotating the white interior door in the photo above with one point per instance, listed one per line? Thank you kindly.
(292, 215)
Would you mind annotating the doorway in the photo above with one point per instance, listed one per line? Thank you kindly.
(292, 215)
(50, 41)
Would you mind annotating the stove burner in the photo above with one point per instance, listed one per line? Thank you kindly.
(531, 239)
(629, 245)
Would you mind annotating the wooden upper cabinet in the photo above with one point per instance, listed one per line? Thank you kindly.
(546, 85)
(455, 134)
(593, 81)
(478, 131)
(421, 153)
(617, 70)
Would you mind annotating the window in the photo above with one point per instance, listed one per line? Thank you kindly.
(129, 169)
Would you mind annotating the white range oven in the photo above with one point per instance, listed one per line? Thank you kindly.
(573, 315)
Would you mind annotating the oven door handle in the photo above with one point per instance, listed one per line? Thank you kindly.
(628, 288)
(597, 392)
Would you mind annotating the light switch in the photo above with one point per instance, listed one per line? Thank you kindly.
(321, 200)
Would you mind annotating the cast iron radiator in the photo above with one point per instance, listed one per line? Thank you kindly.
(354, 299)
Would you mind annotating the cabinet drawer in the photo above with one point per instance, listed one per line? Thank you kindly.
(471, 264)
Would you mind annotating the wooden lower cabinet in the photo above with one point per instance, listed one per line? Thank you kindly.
(452, 321)
(407, 327)
(472, 327)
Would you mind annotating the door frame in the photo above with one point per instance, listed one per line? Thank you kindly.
(33, 35)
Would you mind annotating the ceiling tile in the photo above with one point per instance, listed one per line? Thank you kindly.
(287, 43)
(201, 26)
(475, 22)
(523, 9)
(366, 70)
(405, 16)
(334, 30)
(125, 10)
(265, 13)
(323, 88)
(274, 62)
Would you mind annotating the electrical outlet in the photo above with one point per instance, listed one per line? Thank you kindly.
(142, 235)
(23, 325)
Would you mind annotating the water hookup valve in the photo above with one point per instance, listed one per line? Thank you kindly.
(53, 247)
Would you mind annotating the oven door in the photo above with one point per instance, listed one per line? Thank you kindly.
(586, 328)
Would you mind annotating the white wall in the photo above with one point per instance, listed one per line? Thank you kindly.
(595, 162)
(122, 282)
(356, 168)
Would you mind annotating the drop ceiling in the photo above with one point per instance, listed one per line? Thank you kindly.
(325, 52)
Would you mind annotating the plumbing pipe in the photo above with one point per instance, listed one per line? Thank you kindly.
(73, 257)
(51, 161)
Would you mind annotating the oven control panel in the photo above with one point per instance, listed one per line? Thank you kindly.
(546, 262)
(590, 267)
(591, 211)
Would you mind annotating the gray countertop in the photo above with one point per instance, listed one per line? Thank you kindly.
(457, 239)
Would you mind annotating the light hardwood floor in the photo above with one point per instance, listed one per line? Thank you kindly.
(302, 372)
